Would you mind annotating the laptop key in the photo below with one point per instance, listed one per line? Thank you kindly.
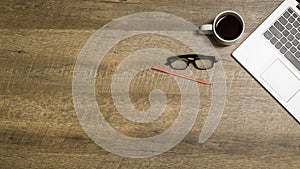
(298, 36)
(295, 15)
(289, 26)
(293, 49)
(295, 42)
(273, 40)
(278, 26)
(297, 54)
(268, 35)
(283, 20)
(294, 31)
(290, 37)
(296, 24)
(285, 33)
(283, 50)
(288, 45)
(283, 40)
(293, 60)
(298, 47)
(290, 10)
(275, 32)
(286, 14)
(291, 19)
(278, 45)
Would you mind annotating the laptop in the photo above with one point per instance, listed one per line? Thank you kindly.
(271, 54)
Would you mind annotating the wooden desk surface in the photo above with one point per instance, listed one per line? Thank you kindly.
(39, 45)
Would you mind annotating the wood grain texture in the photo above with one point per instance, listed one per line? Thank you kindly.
(39, 45)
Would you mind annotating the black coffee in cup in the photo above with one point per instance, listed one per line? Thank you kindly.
(229, 27)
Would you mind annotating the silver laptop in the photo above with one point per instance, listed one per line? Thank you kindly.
(272, 55)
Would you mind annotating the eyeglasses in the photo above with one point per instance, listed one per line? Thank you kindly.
(200, 62)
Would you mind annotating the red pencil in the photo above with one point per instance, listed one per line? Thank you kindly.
(180, 75)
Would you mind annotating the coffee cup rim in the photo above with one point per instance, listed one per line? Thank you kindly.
(235, 14)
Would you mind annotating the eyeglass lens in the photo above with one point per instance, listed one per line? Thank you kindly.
(203, 63)
(179, 64)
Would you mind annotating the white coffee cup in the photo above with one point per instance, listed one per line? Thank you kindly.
(227, 27)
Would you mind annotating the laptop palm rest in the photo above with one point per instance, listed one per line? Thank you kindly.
(277, 76)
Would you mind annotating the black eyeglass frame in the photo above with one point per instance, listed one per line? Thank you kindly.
(191, 58)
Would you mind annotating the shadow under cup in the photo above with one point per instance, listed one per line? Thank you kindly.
(228, 26)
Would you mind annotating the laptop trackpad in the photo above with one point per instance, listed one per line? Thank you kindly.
(281, 80)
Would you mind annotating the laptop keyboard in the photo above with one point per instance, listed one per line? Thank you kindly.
(284, 34)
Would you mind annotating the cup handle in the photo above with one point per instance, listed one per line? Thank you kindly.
(207, 29)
